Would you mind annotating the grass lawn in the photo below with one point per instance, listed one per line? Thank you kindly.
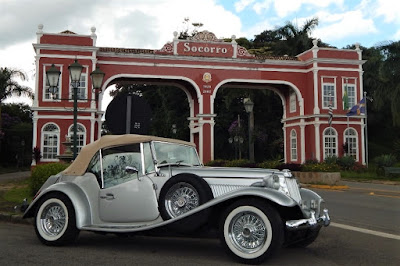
(369, 175)
(12, 194)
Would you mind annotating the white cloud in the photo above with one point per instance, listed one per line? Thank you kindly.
(257, 29)
(390, 10)
(259, 7)
(120, 23)
(242, 4)
(285, 7)
(340, 26)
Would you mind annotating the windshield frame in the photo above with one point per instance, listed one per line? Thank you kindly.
(158, 163)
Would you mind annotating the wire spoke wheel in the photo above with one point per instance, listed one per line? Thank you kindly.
(181, 198)
(247, 232)
(251, 230)
(53, 219)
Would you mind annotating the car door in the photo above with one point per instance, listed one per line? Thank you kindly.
(127, 194)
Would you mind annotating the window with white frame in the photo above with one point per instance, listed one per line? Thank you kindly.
(293, 145)
(50, 141)
(328, 95)
(80, 137)
(330, 142)
(350, 140)
(292, 104)
(50, 93)
(351, 94)
(81, 88)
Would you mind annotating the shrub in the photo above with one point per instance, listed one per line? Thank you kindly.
(346, 162)
(217, 162)
(240, 163)
(290, 166)
(331, 159)
(385, 160)
(269, 164)
(42, 172)
(359, 168)
(320, 167)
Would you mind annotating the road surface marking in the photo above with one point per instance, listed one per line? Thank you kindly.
(376, 190)
(386, 196)
(365, 231)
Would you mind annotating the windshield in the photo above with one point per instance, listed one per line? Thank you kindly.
(171, 153)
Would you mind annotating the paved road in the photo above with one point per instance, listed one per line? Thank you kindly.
(365, 230)
(365, 205)
(19, 246)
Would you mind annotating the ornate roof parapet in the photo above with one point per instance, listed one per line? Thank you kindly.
(205, 36)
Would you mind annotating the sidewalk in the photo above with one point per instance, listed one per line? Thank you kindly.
(16, 176)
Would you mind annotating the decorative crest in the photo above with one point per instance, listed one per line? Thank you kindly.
(205, 36)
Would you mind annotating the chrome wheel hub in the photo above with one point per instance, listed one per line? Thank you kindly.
(181, 198)
(247, 232)
(53, 220)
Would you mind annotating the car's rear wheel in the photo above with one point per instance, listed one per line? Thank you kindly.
(251, 230)
(55, 220)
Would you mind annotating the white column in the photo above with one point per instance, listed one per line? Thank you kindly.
(317, 140)
(316, 106)
(285, 144)
(302, 141)
(363, 143)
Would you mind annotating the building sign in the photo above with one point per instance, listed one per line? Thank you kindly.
(205, 49)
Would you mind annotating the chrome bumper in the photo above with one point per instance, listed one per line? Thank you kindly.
(311, 222)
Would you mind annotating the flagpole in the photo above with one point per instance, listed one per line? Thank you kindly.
(346, 107)
(366, 129)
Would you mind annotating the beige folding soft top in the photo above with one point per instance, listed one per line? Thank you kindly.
(80, 164)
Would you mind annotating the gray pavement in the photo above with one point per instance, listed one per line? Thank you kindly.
(16, 176)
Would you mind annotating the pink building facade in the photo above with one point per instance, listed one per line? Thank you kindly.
(306, 84)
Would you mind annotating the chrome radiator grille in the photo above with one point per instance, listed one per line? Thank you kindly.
(219, 190)
(293, 189)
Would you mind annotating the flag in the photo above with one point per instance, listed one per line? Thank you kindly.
(357, 109)
(345, 99)
(330, 112)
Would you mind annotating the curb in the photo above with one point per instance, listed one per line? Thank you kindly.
(332, 187)
(15, 218)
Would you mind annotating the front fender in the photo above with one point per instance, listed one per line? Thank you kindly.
(77, 196)
(266, 193)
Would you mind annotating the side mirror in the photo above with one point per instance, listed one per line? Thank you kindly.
(131, 170)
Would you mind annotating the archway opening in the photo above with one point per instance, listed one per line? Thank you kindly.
(169, 101)
(231, 129)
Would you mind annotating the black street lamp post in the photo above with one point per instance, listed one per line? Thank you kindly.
(75, 71)
(248, 106)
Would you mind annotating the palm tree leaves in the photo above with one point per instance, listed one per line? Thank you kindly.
(9, 87)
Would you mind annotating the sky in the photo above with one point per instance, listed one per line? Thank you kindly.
(150, 23)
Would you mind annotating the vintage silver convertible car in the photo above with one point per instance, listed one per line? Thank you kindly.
(135, 183)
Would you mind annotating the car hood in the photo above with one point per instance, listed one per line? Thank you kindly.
(226, 172)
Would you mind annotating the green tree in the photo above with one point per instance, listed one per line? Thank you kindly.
(389, 93)
(10, 87)
(294, 40)
(17, 139)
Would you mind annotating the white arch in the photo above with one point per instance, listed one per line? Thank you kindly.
(335, 135)
(57, 132)
(190, 98)
(355, 136)
(293, 136)
(257, 81)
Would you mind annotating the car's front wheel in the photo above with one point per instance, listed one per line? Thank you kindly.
(55, 220)
(251, 230)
